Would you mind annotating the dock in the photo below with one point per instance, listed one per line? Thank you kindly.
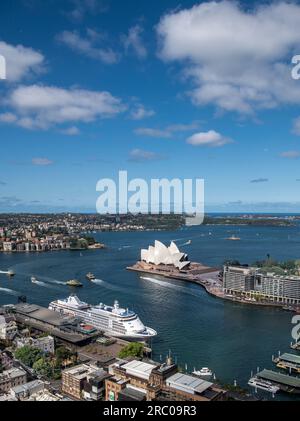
(204, 276)
(289, 362)
(286, 383)
(51, 322)
(296, 346)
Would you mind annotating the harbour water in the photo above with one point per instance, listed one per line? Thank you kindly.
(231, 339)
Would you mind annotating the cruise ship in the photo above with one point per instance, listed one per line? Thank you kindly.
(113, 321)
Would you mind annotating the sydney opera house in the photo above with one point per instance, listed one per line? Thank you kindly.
(159, 254)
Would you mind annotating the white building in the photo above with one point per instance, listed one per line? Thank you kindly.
(7, 246)
(162, 255)
(45, 344)
(8, 328)
(24, 391)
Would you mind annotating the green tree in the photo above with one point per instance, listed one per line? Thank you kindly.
(134, 349)
(43, 367)
(62, 354)
(28, 355)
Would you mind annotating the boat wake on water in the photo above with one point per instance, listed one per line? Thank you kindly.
(171, 286)
(107, 285)
(54, 282)
(41, 284)
(9, 291)
(47, 282)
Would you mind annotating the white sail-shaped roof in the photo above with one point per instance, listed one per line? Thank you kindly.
(162, 255)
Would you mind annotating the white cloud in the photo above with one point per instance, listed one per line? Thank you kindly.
(133, 42)
(88, 46)
(290, 154)
(147, 131)
(81, 8)
(259, 180)
(20, 61)
(296, 126)
(168, 131)
(8, 118)
(140, 112)
(235, 58)
(210, 138)
(40, 107)
(71, 131)
(42, 162)
(140, 155)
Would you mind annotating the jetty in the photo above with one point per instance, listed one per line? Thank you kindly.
(296, 346)
(286, 383)
(289, 362)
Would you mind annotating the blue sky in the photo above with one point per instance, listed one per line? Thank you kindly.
(160, 89)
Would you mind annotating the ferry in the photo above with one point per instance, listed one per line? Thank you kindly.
(233, 238)
(113, 321)
(74, 283)
(263, 385)
(206, 372)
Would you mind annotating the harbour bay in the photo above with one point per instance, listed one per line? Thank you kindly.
(231, 339)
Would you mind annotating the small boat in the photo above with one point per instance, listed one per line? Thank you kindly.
(10, 273)
(33, 280)
(233, 238)
(74, 283)
(288, 308)
(90, 276)
(263, 385)
(203, 372)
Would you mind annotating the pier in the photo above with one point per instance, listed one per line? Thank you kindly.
(47, 321)
(205, 276)
(296, 346)
(289, 362)
(288, 384)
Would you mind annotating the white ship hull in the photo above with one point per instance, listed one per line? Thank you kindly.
(113, 321)
(132, 337)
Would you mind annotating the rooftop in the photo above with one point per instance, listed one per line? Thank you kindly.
(139, 369)
(82, 371)
(283, 379)
(25, 388)
(12, 373)
(291, 358)
(42, 314)
(131, 394)
(188, 383)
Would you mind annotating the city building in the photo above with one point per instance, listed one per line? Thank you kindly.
(239, 278)
(6, 360)
(44, 395)
(83, 380)
(285, 289)
(11, 378)
(185, 387)
(94, 385)
(7, 397)
(8, 327)
(254, 284)
(138, 380)
(24, 391)
(46, 344)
